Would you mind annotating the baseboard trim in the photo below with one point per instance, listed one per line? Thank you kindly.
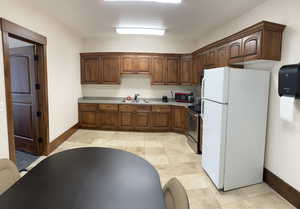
(284, 189)
(63, 137)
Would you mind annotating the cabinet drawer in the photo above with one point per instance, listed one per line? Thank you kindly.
(127, 108)
(161, 108)
(108, 107)
(143, 108)
(87, 107)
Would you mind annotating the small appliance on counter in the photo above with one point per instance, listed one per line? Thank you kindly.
(165, 99)
(184, 96)
(289, 81)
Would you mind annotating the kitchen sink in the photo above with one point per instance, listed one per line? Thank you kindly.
(141, 101)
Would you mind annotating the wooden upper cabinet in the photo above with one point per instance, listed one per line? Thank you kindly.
(143, 64)
(186, 71)
(209, 59)
(235, 53)
(127, 64)
(135, 64)
(252, 46)
(111, 69)
(90, 71)
(222, 56)
(198, 67)
(172, 70)
(158, 70)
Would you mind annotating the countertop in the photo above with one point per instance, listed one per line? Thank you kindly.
(119, 100)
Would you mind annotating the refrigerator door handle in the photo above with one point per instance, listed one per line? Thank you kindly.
(202, 88)
(202, 109)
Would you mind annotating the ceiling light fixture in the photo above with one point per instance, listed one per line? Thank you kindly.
(157, 1)
(141, 31)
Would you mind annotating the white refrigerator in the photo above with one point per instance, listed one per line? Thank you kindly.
(234, 113)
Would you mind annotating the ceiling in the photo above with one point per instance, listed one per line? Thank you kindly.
(189, 20)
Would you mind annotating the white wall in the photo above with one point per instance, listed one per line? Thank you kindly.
(63, 67)
(283, 134)
(123, 43)
(132, 84)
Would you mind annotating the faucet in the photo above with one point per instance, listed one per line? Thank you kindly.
(136, 97)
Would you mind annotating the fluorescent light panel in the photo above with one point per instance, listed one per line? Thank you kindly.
(157, 1)
(141, 31)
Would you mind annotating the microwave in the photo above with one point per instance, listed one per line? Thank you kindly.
(184, 97)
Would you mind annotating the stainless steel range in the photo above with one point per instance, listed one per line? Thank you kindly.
(194, 128)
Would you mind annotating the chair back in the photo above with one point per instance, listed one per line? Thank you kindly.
(175, 195)
(9, 174)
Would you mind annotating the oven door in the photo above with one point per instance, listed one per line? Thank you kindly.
(193, 130)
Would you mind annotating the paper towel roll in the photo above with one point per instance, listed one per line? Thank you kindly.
(287, 108)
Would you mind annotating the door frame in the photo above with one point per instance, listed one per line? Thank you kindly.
(13, 30)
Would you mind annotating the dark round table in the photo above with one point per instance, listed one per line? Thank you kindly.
(87, 178)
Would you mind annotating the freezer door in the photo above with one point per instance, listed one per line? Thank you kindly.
(215, 84)
(213, 148)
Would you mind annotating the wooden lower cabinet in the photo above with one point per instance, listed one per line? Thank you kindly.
(161, 118)
(142, 121)
(88, 119)
(108, 120)
(126, 120)
(133, 117)
(179, 119)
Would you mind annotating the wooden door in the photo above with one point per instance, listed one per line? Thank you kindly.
(235, 51)
(186, 71)
(179, 119)
(252, 46)
(25, 99)
(158, 70)
(126, 117)
(128, 64)
(143, 64)
(111, 69)
(143, 118)
(172, 70)
(221, 56)
(90, 72)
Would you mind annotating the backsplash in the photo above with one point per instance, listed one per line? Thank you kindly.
(130, 85)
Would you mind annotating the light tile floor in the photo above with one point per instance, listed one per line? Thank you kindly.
(172, 157)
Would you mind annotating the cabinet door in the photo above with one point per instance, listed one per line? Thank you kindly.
(160, 121)
(235, 51)
(87, 119)
(221, 56)
(196, 70)
(186, 71)
(158, 71)
(142, 121)
(90, 72)
(172, 70)
(108, 120)
(128, 64)
(143, 64)
(111, 69)
(252, 46)
(126, 120)
(179, 119)
(126, 117)
(143, 118)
